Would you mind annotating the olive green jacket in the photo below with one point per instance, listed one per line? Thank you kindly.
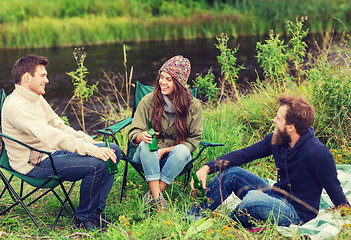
(144, 111)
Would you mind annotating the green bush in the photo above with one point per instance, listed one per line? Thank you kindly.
(330, 81)
(207, 87)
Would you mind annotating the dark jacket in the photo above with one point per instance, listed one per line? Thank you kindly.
(303, 171)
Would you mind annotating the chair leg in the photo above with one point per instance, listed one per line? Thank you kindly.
(124, 180)
(21, 199)
(9, 187)
(68, 194)
(4, 190)
(21, 192)
(36, 199)
(186, 178)
(63, 205)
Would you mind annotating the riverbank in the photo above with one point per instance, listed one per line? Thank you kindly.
(44, 24)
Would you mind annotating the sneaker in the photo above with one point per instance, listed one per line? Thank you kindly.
(191, 216)
(150, 204)
(90, 224)
(147, 198)
(162, 202)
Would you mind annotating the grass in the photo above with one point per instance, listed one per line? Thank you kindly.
(43, 24)
(237, 129)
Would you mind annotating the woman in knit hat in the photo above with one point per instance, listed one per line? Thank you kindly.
(177, 119)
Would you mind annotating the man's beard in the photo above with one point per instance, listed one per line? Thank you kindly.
(280, 137)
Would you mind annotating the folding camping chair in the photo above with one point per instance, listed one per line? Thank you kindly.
(49, 183)
(140, 91)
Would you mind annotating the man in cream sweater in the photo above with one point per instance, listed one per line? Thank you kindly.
(27, 117)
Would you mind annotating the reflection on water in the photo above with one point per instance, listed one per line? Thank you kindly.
(146, 59)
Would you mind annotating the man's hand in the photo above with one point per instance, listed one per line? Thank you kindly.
(105, 153)
(202, 176)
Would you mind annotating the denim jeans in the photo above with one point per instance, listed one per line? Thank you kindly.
(165, 170)
(96, 180)
(259, 201)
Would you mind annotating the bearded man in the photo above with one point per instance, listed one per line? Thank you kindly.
(304, 167)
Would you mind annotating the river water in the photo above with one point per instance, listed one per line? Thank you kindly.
(145, 57)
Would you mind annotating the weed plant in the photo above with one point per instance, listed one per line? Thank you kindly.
(82, 92)
(207, 87)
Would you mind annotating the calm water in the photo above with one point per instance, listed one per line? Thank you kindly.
(146, 58)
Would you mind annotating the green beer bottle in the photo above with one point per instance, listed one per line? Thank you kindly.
(151, 131)
(112, 167)
(198, 185)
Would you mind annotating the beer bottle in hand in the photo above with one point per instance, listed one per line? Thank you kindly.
(151, 131)
(198, 185)
(112, 167)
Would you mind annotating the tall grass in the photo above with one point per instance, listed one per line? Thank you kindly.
(49, 32)
(31, 23)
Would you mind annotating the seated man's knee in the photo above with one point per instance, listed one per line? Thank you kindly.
(253, 199)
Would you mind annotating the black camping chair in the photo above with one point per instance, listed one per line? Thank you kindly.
(140, 91)
(49, 184)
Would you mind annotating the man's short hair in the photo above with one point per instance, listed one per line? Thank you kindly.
(27, 64)
(300, 113)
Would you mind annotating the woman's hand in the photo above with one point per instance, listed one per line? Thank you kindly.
(144, 136)
(202, 176)
(161, 152)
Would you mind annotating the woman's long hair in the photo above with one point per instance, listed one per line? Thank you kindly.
(181, 102)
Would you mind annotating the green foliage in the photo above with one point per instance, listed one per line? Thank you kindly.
(207, 87)
(81, 89)
(283, 62)
(36, 24)
(65, 119)
(82, 92)
(298, 47)
(330, 81)
(227, 59)
(272, 58)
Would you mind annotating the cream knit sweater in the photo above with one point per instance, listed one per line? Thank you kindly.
(27, 117)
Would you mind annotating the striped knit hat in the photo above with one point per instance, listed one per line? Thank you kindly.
(178, 67)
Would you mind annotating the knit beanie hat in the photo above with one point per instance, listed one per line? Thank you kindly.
(178, 67)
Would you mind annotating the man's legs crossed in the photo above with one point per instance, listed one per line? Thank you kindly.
(232, 180)
(258, 200)
(96, 181)
(257, 205)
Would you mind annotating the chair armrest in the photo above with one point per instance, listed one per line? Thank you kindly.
(23, 144)
(205, 145)
(113, 129)
(209, 144)
(34, 149)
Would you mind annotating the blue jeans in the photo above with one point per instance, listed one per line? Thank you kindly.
(165, 170)
(259, 201)
(96, 180)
